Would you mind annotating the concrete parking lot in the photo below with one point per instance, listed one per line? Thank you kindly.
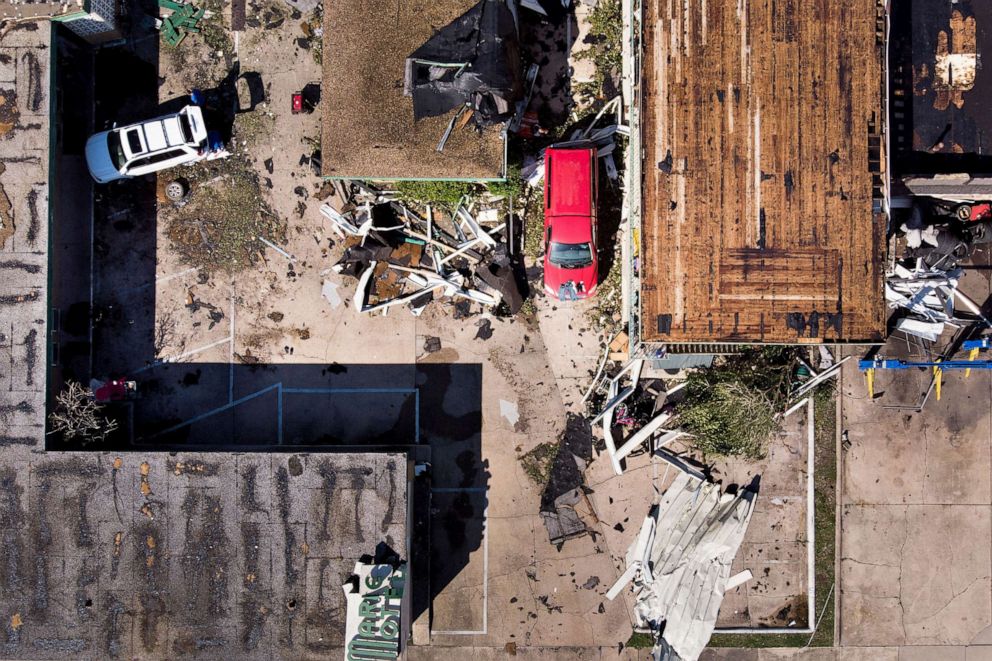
(916, 511)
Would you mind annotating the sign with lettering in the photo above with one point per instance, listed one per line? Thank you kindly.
(374, 628)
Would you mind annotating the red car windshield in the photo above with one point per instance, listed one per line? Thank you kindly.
(571, 255)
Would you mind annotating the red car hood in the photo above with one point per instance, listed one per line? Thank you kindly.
(584, 279)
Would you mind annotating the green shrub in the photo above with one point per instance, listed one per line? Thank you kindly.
(730, 408)
(513, 186)
(733, 420)
(444, 193)
(606, 50)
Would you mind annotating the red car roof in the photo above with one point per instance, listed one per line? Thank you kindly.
(568, 181)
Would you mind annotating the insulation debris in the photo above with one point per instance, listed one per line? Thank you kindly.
(401, 256)
(680, 564)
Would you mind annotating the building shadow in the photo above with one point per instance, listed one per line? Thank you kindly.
(547, 41)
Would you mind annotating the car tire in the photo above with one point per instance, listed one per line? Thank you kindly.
(177, 190)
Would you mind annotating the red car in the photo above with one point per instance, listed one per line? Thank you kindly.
(570, 193)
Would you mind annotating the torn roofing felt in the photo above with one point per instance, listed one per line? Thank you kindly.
(474, 61)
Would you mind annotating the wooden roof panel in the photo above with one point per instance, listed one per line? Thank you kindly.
(758, 187)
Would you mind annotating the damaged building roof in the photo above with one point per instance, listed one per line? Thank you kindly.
(21, 9)
(24, 123)
(762, 173)
(159, 556)
(369, 130)
(939, 94)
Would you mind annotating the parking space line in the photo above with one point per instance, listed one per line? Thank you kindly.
(186, 354)
(219, 409)
(230, 358)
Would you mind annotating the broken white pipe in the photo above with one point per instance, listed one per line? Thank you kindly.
(625, 578)
(340, 225)
(602, 364)
(829, 373)
(277, 249)
(633, 368)
(738, 579)
(971, 305)
(471, 242)
(643, 434)
(612, 105)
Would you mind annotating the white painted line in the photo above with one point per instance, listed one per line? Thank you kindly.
(92, 271)
(173, 359)
(164, 278)
(230, 359)
(180, 274)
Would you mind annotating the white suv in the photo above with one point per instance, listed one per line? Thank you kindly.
(150, 146)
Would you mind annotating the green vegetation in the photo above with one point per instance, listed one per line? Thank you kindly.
(444, 193)
(730, 419)
(538, 462)
(534, 225)
(513, 186)
(640, 641)
(730, 409)
(606, 51)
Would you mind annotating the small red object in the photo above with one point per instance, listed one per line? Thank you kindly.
(297, 103)
(980, 211)
(114, 390)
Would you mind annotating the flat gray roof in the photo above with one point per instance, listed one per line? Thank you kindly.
(24, 71)
(156, 556)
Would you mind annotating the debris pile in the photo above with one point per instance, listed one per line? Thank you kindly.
(632, 412)
(603, 138)
(565, 506)
(927, 295)
(680, 563)
(401, 256)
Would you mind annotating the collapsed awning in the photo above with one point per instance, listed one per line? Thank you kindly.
(680, 564)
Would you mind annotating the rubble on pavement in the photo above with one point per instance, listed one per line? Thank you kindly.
(401, 255)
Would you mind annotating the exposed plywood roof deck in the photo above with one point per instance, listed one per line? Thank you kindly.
(761, 123)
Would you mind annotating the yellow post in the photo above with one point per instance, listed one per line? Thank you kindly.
(971, 356)
(936, 375)
(870, 378)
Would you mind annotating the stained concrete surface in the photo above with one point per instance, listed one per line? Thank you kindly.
(775, 544)
(916, 510)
